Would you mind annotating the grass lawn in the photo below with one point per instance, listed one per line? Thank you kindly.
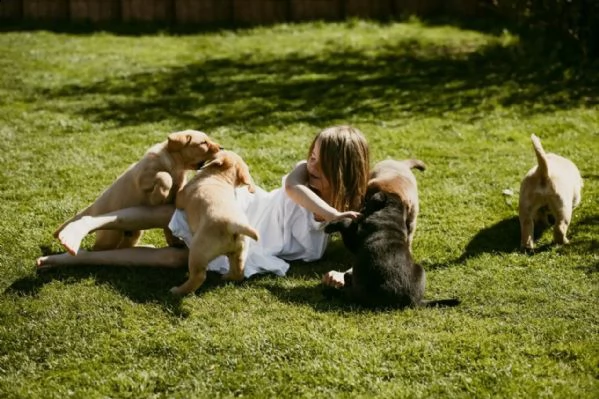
(77, 109)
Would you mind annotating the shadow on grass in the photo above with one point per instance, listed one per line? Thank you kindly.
(405, 78)
(503, 236)
(140, 285)
(316, 297)
(584, 239)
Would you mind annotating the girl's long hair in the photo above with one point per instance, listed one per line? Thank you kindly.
(345, 161)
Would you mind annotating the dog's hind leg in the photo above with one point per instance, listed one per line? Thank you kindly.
(198, 265)
(526, 229)
(563, 215)
(236, 265)
(108, 239)
(130, 238)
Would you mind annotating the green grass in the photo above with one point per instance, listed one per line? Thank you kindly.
(77, 109)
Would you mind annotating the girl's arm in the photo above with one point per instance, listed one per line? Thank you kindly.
(297, 189)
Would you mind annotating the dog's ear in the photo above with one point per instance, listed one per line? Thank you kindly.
(177, 141)
(218, 161)
(375, 202)
(244, 178)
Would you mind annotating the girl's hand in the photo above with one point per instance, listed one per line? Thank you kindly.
(347, 214)
(337, 216)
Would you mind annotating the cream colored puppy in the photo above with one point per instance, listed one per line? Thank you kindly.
(553, 186)
(393, 176)
(217, 222)
(154, 180)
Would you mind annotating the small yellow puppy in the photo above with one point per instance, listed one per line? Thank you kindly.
(552, 187)
(396, 177)
(153, 180)
(217, 222)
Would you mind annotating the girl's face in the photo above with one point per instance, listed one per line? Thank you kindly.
(316, 179)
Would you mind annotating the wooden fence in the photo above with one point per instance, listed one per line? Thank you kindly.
(224, 11)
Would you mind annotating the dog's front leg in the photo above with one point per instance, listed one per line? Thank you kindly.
(161, 189)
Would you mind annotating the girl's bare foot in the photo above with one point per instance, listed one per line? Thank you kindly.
(73, 233)
(334, 279)
(50, 261)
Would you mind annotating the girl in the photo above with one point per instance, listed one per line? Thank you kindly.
(329, 185)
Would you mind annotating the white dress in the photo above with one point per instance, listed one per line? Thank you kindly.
(287, 232)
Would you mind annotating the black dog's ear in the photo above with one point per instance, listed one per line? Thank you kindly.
(338, 225)
(375, 202)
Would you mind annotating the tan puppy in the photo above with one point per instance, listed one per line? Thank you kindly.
(217, 222)
(553, 186)
(393, 176)
(154, 180)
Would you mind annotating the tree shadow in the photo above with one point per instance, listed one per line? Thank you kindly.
(140, 285)
(404, 78)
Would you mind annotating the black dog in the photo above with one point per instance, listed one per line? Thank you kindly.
(384, 273)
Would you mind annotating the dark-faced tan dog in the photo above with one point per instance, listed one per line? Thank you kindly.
(396, 177)
(552, 187)
(217, 222)
(384, 273)
(154, 180)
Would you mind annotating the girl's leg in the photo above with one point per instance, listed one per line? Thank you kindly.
(135, 218)
(138, 256)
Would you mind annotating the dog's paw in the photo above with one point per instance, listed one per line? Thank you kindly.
(561, 241)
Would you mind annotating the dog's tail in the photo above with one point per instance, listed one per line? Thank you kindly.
(247, 230)
(543, 168)
(415, 164)
(441, 303)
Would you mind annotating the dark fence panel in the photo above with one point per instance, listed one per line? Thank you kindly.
(11, 9)
(203, 11)
(374, 9)
(224, 11)
(55, 10)
(95, 11)
(304, 10)
(260, 11)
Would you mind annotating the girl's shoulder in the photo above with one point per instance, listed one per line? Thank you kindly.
(298, 175)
